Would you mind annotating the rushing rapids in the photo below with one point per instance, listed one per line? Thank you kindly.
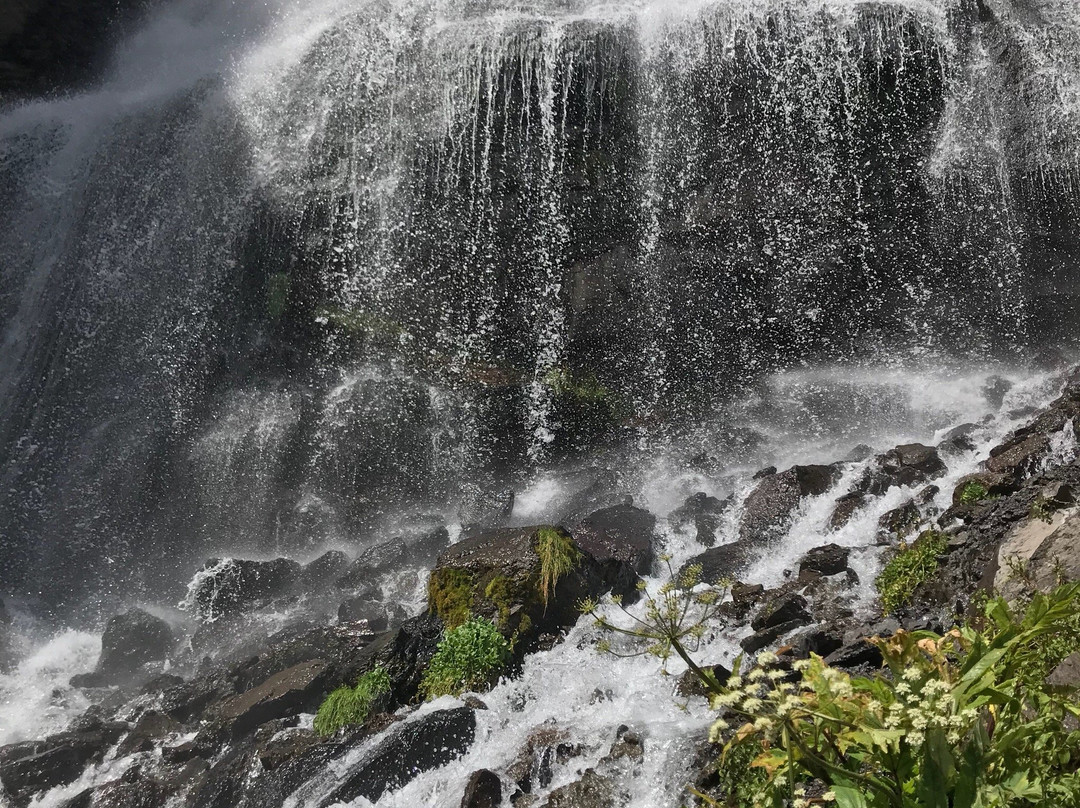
(320, 274)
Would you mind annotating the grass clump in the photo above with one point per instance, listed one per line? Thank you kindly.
(558, 556)
(911, 567)
(450, 595)
(466, 659)
(351, 705)
(973, 493)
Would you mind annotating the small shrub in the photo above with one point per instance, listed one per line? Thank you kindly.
(558, 556)
(351, 705)
(974, 492)
(450, 595)
(911, 567)
(1042, 509)
(466, 659)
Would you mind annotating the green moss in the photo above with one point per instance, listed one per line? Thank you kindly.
(450, 595)
(582, 387)
(277, 294)
(558, 556)
(911, 567)
(467, 658)
(973, 493)
(351, 705)
(501, 591)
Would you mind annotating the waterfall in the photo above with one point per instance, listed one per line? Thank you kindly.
(287, 270)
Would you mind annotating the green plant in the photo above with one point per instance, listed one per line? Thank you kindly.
(584, 388)
(1042, 509)
(676, 617)
(450, 595)
(912, 566)
(277, 294)
(973, 492)
(351, 705)
(558, 556)
(955, 724)
(466, 659)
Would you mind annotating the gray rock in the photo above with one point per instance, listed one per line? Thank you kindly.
(591, 791)
(769, 507)
(484, 790)
(233, 585)
(906, 465)
(131, 640)
(784, 608)
(767, 636)
(725, 561)
(901, 521)
(846, 507)
(828, 559)
(704, 513)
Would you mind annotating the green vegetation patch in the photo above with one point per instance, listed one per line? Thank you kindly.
(467, 658)
(558, 556)
(582, 387)
(911, 567)
(350, 705)
(450, 595)
(974, 492)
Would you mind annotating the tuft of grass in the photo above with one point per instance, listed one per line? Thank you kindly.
(911, 567)
(351, 705)
(973, 493)
(450, 595)
(466, 659)
(558, 556)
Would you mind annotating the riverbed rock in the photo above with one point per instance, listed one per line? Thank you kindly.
(725, 561)
(828, 559)
(621, 539)
(688, 684)
(483, 790)
(783, 608)
(546, 748)
(294, 690)
(151, 726)
(906, 465)
(846, 507)
(703, 514)
(769, 507)
(900, 522)
(230, 585)
(317, 575)
(408, 750)
(591, 791)
(768, 636)
(958, 440)
(131, 640)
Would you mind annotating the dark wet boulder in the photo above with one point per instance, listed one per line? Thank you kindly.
(292, 691)
(846, 507)
(483, 790)
(703, 514)
(31, 767)
(994, 391)
(723, 562)
(958, 439)
(390, 555)
(906, 465)
(131, 640)
(151, 726)
(783, 608)
(766, 637)
(900, 522)
(323, 570)
(828, 559)
(485, 506)
(499, 574)
(769, 507)
(1018, 458)
(405, 752)
(366, 610)
(226, 586)
(621, 540)
(981, 486)
(859, 453)
(761, 474)
(689, 684)
(858, 656)
(592, 790)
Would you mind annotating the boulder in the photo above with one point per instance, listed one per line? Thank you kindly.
(996, 485)
(688, 684)
(770, 506)
(131, 640)
(591, 791)
(230, 585)
(545, 748)
(483, 790)
(1067, 673)
(768, 636)
(828, 559)
(900, 522)
(994, 391)
(410, 749)
(323, 570)
(858, 656)
(783, 608)
(958, 440)
(1048, 551)
(150, 727)
(725, 561)
(703, 513)
(859, 453)
(362, 609)
(621, 540)
(498, 574)
(485, 506)
(906, 465)
(297, 689)
(846, 507)
(1017, 459)
(390, 555)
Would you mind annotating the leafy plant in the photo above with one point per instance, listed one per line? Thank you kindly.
(912, 566)
(675, 620)
(1042, 509)
(974, 492)
(956, 724)
(351, 705)
(466, 659)
(558, 556)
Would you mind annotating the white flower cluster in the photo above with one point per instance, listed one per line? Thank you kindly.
(931, 706)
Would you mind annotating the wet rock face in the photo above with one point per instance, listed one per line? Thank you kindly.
(723, 562)
(703, 513)
(484, 790)
(132, 640)
(829, 559)
(233, 585)
(417, 747)
(770, 505)
(906, 465)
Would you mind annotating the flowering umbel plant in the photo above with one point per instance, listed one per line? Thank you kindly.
(956, 724)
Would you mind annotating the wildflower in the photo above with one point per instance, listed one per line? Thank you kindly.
(828, 796)
(766, 658)
(756, 675)
(752, 705)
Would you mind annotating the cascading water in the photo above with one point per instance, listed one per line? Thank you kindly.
(291, 276)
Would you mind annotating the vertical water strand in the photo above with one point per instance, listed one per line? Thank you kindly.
(547, 78)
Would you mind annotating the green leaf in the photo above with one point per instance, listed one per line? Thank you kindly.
(848, 797)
